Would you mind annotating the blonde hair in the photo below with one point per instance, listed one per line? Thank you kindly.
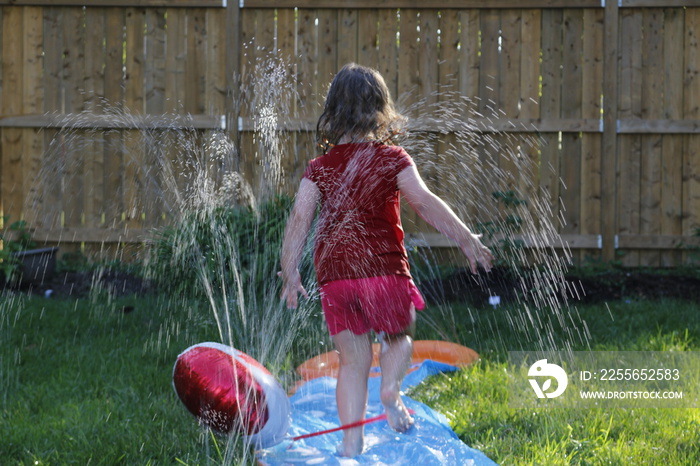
(358, 104)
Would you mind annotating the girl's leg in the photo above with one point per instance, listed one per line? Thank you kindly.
(395, 358)
(351, 392)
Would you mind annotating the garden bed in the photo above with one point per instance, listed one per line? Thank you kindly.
(80, 284)
(584, 285)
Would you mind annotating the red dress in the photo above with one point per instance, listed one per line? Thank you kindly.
(359, 233)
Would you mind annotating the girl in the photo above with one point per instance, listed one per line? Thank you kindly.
(359, 254)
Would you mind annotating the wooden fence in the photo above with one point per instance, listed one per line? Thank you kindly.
(588, 110)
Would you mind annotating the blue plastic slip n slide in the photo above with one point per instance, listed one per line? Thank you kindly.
(430, 441)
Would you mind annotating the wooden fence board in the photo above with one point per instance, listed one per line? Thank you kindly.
(313, 47)
(194, 61)
(468, 87)
(307, 63)
(114, 61)
(73, 59)
(609, 163)
(73, 68)
(246, 142)
(266, 162)
(174, 61)
(113, 94)
(367, 38)
(630, 145)
(12, 143)
(94, 58)
(652, 96)
(408, 60)
(510, 48)
(428, 52)
(154, 66)
(134, 65)
(450, 174)
(449, 60)
(531, 34)
(292, 166)
(327, 56)
(32, 100)
(469, 60)
(571, 107)
(691, 162)
(552, 40)
(154, 103)
(489, 90)
(489, 64)
(530, 69)
(306, 69)
(216, 79)
(509, 78)
(428, 88)
(671, 196)
(286, 40)
(388, 50)
(408, 82)
(347, 36)
(591, 144)
(216, 87)
(134, 103)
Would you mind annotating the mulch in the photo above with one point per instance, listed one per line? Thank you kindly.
(585, 286)
(582, 286)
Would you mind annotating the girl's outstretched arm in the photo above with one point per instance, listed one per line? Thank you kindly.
(437, 213)
(295, 234)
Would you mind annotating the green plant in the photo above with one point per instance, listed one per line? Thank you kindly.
(15, 238)
(73, 262)
(222, 247)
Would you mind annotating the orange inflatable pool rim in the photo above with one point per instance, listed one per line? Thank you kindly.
(327, 364)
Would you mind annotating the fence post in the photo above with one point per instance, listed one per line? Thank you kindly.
(609, 163)
(233, 74)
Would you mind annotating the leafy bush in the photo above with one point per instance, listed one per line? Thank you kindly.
(221, 248)
(20, 239)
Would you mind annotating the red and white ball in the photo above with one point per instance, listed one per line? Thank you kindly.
(229, 391)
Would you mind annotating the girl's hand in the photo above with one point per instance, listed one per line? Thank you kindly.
(477, 253)
(291, 288)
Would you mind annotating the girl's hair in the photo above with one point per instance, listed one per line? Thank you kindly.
(358, 104)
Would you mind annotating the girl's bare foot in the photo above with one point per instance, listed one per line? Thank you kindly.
(352, 446)
(396, 413)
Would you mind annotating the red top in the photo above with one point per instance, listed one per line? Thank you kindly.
(359, 231)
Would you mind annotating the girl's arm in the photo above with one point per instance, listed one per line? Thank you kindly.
(295, 234)
(434, 211)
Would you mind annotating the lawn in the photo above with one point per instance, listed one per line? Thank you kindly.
(475, 399)
(89, 382)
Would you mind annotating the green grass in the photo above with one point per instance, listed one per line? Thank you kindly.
(82, 382)
(85, 383)
(475, 400)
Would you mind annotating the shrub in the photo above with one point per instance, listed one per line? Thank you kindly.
(221, 248)
(20, 239)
